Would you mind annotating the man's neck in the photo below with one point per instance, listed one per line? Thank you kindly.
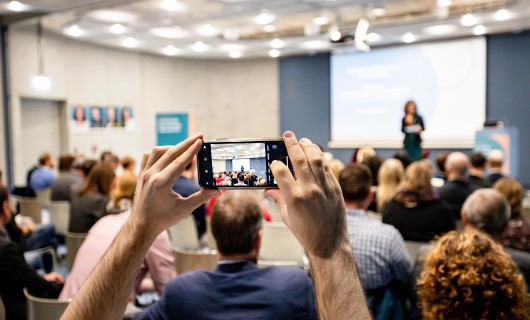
(476, 172)
(237, 257)
(359, 205)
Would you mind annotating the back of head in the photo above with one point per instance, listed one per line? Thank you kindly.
(127, 162)
(496, 159)
(241, 177)
(404, 157)
(478, 161)
(125, 189)
(441, 158)
(87, 166)
(513, 192)
(44, 158)
(336, 166)
(99, 180)
(66, 161)
(4, 196)
(457, 165)
(355, 181)
(417, 177)
(391, 172)
(468, 276)
(236, 222)
(374, 164)
(364, 152)
(487, 210)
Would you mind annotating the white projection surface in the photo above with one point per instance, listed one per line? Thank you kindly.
(447, 80)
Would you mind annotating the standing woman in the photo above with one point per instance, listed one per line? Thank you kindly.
(412, 125)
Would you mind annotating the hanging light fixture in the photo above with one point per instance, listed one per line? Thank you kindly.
(40, 82)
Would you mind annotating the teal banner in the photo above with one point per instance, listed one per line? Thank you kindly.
(171, 128)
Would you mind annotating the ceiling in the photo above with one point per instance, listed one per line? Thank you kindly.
(258, 28)
(237, 151)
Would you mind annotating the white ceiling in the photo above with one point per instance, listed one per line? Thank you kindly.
(231, 28)
(238, 151)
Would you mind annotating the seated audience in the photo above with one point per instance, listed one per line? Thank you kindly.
(403, 157)
(361, 153)
(90, 202)
(61, 189)
(335, 165)
(15, 274)
(516, 234)
(468, 276)
(87, 167)
(477, 171)
(379, 249)
(416, 210)
(440, 160)
(374, 164)
(456, 190)
(43, 176)
(240, 180)
(129, 165)
(237, 289)
(495, 162)
(111, 159)
(390, 176)
(159, 259)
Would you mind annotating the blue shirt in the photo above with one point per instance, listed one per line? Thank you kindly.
(379, 250)
(41, 178)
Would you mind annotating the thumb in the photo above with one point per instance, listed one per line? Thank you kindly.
(200, 197)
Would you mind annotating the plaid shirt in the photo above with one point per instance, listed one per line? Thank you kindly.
(379, 250)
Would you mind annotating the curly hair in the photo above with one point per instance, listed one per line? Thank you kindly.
(469, 276)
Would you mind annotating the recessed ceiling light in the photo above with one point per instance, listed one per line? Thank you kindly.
(334, 33)
(174, 32)
(468, 20)
(172, 5)
(444, 3)
(320, 21)
(378, 12)
(479, 30)
(200, 46)
(207, 30)
(264, 18)
(269, 28)
(15, 6)
(409, 37)
(113, 16)
(130, 42)
(440, 29)
(235, 54)
(274, 53)
(170, 50)
(502, 15)
(74, 31)
(315, 45)
(276, 43)
(117, 28)
(373, 37)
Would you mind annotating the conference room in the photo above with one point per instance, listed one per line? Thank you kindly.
(422, 106)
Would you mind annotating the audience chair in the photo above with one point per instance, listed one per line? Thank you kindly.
(413, 248)
(184, 234)
(186, 261)
(44, 196)
(31, 208)
(38, 255)
(45, 309)
(59, 214)
(2, 310)
(279, 247)
(73, 242)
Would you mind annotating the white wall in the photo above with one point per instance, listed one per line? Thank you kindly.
(226, 98)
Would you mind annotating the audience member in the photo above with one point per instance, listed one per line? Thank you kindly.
(362, 153)
(90, 203)
(185, 186)
(477, 171)
(440, 160)
(87, 167)
(61, 188)
(335, 165)
(390, 176)
(123, 195)
(416, 210)
(240, 286)
(159, 259)
(129, 165)
(240, 180)
(15, 274)
(495, 162)
(468, 276)
(43, 176)
(516, 234)
(379, 249)
(403, 157)
(374, 164)
(456, 190)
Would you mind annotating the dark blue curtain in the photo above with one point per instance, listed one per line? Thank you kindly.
(228, 165)
(260, 165)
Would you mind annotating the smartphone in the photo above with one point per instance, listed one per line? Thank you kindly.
(239, 163)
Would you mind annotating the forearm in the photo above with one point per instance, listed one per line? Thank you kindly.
(339, 293)
(104, 295)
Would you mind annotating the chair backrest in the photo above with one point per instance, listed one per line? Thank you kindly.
(38, 258)
(45, 309)
(279, 244)
(184, 234)
(413, 248)
(59, 215)
(73, 242)
(31, 208)
(186, 261)
(44, 196)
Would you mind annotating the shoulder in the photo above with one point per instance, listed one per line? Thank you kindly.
(188, 282)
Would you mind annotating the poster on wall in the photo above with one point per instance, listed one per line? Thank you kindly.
(171, 128)
(85, 118)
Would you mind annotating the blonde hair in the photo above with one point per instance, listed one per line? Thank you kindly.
(418, 177)
(125, 189)
(336, 166)
(389, 177)
(365, 152)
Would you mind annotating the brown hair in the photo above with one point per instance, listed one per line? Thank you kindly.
(4, 196)
(99, 180)
(125, 189)
(469, 276)
(43, 158)
(411, 102)
(127, 161)
(65, 162)
(514, 193)
(418, 177)
(355, 181)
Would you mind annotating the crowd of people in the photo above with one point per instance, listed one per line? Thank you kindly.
(239, 179)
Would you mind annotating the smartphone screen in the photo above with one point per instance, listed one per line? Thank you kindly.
(239, 163)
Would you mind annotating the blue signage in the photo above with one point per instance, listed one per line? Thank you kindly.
(171, 128)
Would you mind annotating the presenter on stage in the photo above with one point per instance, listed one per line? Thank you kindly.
(412, 126)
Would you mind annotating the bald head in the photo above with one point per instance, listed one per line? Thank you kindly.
(457, 165)
(495, 159)
(486, 210)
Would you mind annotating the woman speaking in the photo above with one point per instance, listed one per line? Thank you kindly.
(412, 126)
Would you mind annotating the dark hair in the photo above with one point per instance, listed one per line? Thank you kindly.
(65, 162)
(241, 177)
(127, 161)
(355, 181)
(99, 180)
(43, 158)
(4, 195)
(236, 221)
(404, 157)
(441, 157)
(105, 155)
(478, 160)
(373, 163)
(87, 166)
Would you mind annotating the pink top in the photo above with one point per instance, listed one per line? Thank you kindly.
(158, 261)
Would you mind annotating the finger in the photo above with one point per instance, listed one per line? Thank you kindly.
(174, 169)
(144, 161)
(298, 158)
(316, 160)
(175, 152)
(155, 154)
(284, 178)
(193, 201)
(276, 195)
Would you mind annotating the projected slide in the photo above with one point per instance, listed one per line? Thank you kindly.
(446, 79)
